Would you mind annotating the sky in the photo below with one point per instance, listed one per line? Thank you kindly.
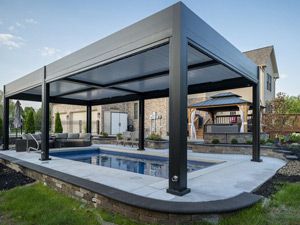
(34, 33)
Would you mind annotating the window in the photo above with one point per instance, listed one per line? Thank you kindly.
(135, 111)
(269, 82)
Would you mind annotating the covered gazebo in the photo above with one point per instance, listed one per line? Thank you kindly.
(224, 102)
(172, 53)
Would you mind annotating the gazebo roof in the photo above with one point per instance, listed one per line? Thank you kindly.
(223, 100)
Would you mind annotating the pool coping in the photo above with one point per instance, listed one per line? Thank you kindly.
(235, 203)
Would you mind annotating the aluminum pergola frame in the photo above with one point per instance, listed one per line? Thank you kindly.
(178, 28)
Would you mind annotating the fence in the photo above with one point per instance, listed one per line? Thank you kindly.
(280, 124)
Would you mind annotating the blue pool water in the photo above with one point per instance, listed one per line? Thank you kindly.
(137, 163)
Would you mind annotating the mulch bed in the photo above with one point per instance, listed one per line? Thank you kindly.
(10, 178)
(287, 174)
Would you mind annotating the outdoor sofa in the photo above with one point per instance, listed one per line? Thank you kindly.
(61, 140)
(64, 140)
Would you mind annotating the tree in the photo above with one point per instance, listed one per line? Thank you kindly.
(29, 123)
(38, 120)
(58, 126)
(284, 104)
(26, 111)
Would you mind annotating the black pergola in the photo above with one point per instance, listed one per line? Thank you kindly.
(172, 53)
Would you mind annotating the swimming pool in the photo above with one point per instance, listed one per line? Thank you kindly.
(137, 163)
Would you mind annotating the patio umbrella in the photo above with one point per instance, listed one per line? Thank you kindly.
(18, 117)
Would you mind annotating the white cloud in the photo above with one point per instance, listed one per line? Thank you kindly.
(15, 27)
(283, 75)
(10, 41)
(49, 51)
(18, 24)
(31, 21)
(11, 28)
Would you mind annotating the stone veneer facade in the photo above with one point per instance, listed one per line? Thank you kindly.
(159, 106)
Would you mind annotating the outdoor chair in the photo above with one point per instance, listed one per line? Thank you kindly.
(126, 137)
(130, 138)
(30, 142)
(120, 139)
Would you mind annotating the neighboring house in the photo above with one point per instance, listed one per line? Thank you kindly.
(115, 118)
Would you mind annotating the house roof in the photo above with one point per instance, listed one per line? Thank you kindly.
(261, 56)
(219, 100)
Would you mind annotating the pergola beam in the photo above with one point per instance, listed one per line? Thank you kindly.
(141, 124)
(178, 90)
(256, 122)
(89, 119)
(5, 122)
(45, 119)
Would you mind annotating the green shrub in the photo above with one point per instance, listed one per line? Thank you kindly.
(154, 137)
(269, 140)
(215, 141)
(234, 141)
(58, 126)
(29, 123)
(249, 142)
(269, 143)
(294, 146)
(119, 136)
(1, 128)
(294, 137)
(104, 134)
(262, 141)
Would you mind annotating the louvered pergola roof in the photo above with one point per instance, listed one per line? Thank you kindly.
(134, 62)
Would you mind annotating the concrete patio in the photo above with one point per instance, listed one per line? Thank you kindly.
(235, 174)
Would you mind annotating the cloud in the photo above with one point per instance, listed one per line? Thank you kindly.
(49, 51)
(283, 76)
(31, 21)
(11, 28)
(15, 27)
(10, 41)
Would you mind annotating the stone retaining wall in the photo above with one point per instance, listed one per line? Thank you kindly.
(226, 138)
(234, 149)
(99, 201)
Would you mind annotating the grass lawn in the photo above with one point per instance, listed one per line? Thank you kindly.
(37, 204)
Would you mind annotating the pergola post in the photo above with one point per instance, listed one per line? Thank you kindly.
(5, 122)
(89, 119)
(45, 118)
(178, 109)
(256, 121)
(141, 124)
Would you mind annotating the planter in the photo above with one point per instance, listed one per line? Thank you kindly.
(226, 138)
(104, 140)
(164, 144)
(242, 149)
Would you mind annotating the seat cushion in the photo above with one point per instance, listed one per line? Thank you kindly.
(73, 136)
(85, 136)
(61, 135)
